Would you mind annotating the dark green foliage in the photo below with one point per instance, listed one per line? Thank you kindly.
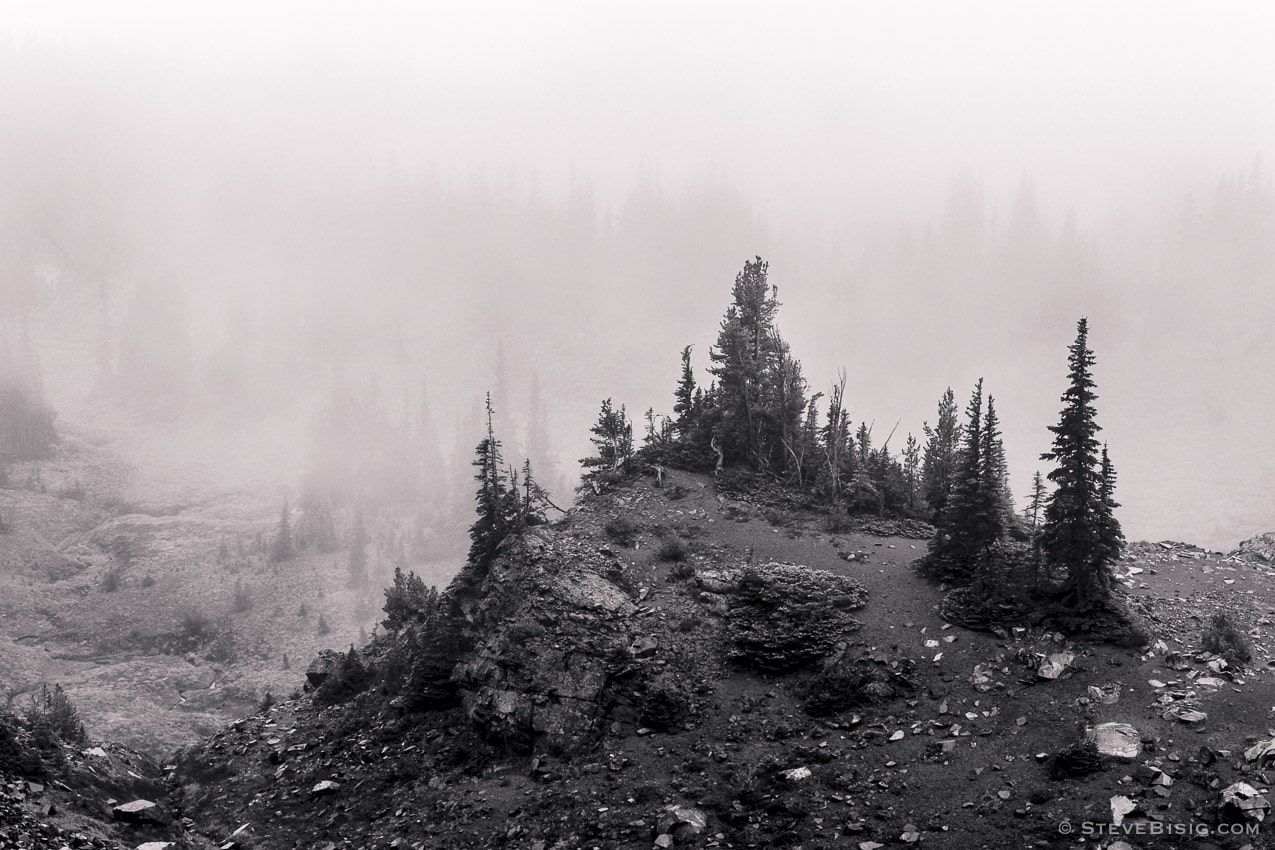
(686, 404)
(1222, 637)
(407, 600)
(975, 519)
(613, 438)
(755, 409)
(622, 530)
(53, 710)
(664, 709)
(1080, 536)
(505, 506)
(939, 459)
(785, 617)
(18, 754)
(1079, 759)
(856, 683)
(347, 679)
(672, 550)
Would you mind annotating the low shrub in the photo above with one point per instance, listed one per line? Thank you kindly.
(672, 550)
(1223, 637)
(622, 530)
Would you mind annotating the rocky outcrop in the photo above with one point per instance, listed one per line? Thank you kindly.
(554, 658)
(1261, 547)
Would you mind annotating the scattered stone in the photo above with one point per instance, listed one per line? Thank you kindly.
(1263, 752)
(1117, 740)
(1246, 801)
(1108, 694)
(327, 786)
(1121, 808)
(897, 735)
(1055, 665)
(797, 774)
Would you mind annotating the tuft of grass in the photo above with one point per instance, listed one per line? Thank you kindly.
(1223, 637)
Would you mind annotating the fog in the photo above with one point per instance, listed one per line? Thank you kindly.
(222, 231)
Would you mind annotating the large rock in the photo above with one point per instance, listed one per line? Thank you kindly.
(1243, 801)
(138, 812)
(1116, 740)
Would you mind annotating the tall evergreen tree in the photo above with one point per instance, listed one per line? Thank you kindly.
(759, 399)
(995, 493)
(1075, 537)
(492, 497)
(613, 437)
(939, 457)
(1110, 535)
(912, 470)
(684, 405)
(962, 522)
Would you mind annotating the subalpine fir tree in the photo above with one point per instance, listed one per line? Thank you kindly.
(1080, 537)
(976, 515)
(685, 397)
(1110, 535)
(613, 437)
(492, 497)
(939, 457)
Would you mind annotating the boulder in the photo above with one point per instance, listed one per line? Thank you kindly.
(138, 812)
(327, 786)
(1244, 801)
(1262, 751)
(1116, 740)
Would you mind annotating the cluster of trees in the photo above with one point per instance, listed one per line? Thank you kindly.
(757, 411)
(1073, 535)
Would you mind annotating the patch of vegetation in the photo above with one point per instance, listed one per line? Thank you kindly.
(682, 571)
(784, 617)
(1223, 637)
(347, 679)
(51, 710)
(672, 550)
(676, 493)
(664, 709)
(1079, 759)
(622, 530)
(858, 683)
(407, 600)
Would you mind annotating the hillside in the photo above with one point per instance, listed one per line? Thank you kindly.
(601, 707)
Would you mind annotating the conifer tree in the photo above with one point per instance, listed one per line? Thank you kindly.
(962, 522)
(912, 470)
(1110, 535)
(491, 524)
(939, 457)
(995, 493)
(1077, 537)
(613, 437)
(685, 397)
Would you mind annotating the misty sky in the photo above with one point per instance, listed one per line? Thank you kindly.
(833, 137)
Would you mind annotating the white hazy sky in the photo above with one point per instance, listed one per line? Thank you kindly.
(1095, 100)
